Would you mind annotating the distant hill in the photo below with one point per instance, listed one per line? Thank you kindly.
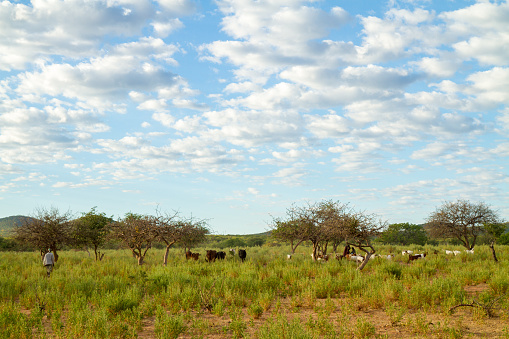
(7, 224)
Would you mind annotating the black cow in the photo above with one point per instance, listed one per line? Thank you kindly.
(211, 256)
(220, 255)
(242, 255)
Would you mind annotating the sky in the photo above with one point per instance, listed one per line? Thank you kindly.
(232, 111)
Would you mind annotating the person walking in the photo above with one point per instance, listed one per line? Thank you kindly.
(49, 261)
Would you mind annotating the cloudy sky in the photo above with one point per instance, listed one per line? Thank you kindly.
(233, 110)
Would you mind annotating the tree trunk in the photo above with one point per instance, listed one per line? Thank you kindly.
(492, 248)
(55, 254)
(140, 260)
(165, 259)
(365, 262)
(315, 248)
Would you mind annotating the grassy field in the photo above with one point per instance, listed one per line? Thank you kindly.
(267, 296)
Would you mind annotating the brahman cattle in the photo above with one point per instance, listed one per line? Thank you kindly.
(242, 255)
(220, 255)
(210, 256)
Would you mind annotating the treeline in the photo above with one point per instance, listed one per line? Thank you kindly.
(324, 225)
(328, 224)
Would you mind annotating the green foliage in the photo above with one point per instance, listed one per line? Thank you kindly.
(504, 239)
(167, 325)
(7, 244)
(232, 243)
(404, 234)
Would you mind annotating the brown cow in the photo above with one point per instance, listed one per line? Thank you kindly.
(412, 257)
(210, 256)
(189, 255)
(196, 256)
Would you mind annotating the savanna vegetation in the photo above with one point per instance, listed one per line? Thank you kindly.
(112, 295)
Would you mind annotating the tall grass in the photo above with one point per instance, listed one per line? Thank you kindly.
(88, 299)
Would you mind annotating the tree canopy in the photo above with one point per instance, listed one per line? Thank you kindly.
(91, 229)
(46, 229)
(462, 220)
(328, 223)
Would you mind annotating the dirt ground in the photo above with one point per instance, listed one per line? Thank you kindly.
(346, 316)
(463, 322)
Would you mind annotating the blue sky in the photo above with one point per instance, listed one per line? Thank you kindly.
(232, 111)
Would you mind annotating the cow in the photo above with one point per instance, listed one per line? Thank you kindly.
(412, 257)
(220, 255)
(189, 255)
(210, 256)
(196, 256)
(242, 255)
(232, 251)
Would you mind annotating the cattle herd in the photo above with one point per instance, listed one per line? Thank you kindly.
(213, 255)
(349, 254)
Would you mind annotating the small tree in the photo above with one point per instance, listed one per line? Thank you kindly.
(359, 229)
(494, 231)
(91, 229)
(461, 220)
(193, 232)
(136, 232)
(292, 231)
(46, 229)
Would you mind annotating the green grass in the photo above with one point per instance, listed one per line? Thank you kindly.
(260, 298)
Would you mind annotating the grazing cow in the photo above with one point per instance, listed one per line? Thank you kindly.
(242, 255)
(210, 256)
(288, 256)
(196, 256)
(407, 252)
(470, 251)
(232, 251)
(220, 255)
(189, 255)
(412, 257)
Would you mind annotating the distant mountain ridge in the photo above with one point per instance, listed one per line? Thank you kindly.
(8, 223)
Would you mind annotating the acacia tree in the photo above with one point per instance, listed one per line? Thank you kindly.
(193, 232)
(91, 229)
(46, 229)
(293, 231)
(304, 223)
(462, 220)
(168, 231)
(171, 230)
(136, 232)
(358, 229)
